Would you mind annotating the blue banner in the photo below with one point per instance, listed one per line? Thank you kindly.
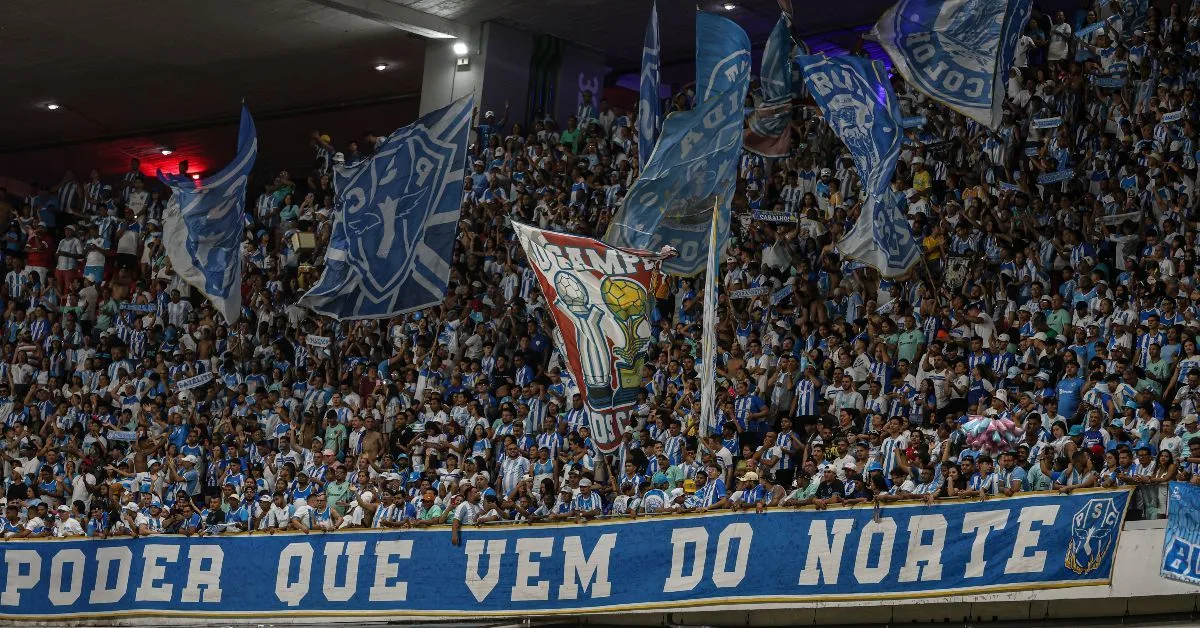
(957, 51)
(692, 171)
(722, 56)
(1181, 548)
(393, 234)
(908, 551)
(1047, 123)
(650, 103)
(769, 130)
(203, 222)
(857, 101)
(1057, 176)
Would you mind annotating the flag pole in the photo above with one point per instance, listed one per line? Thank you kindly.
(708, 341)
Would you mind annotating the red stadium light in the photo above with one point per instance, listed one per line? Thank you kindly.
(195, 175)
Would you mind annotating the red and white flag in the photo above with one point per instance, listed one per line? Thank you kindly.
(602, 298)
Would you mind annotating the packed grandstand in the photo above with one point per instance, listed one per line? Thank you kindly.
(1046, 341)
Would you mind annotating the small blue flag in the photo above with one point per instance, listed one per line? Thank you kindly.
(649, 104)
(393, 235)
(203, 222)
(769, 131)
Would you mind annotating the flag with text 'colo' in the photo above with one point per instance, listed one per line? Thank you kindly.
(960, 52)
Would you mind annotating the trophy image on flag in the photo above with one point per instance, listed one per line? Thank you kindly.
(589, 337)
(601, 298)
(629, 304)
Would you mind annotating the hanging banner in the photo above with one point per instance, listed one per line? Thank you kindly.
(906, 551)
(1181, 548)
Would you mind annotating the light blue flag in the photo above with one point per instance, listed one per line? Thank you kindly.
(959, 52)
(769, 130)
(692, 170)
(722, 55)
(393, 234)
(203, 222)
(858, 103)
(650, 104)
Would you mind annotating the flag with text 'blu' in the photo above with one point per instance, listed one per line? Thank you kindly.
(602, 299)
(769, 130)
(959, 52)
(693, 168)
(649, 103)
(393, 234)
(859, 105)
(203, 223)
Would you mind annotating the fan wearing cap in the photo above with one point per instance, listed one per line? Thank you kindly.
(66, 524)
(182, 470)
(152, 522)
(751, 493)
(587, 504)
(655, 500)
(278, 514)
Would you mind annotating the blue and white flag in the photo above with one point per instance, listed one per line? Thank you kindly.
(692, 170)
(722, 56)
(858, 103)
(769, 130)
(1181, 547)
(957, 51)
(203, 222)
(393, 235)
(650, 103)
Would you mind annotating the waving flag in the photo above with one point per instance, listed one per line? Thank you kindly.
(203, 222)
(393, 235)
(694, 164)
(958, 51)
(858, 103)
(769, 132)
(650, 104)
(722, 55)
(602, 298)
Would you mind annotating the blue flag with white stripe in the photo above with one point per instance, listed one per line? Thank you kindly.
(203, 223)
(693, 168)
(858, 103)
(959, 52)
(649, 104)
(393, 234)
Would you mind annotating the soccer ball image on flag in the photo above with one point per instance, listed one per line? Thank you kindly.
(602, 298)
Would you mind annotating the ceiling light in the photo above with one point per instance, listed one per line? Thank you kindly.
(729, 6)
(379, 67)
(166, 151)
(53, 106)
(460, 48)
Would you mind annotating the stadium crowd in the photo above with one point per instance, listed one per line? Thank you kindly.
(1069, 307)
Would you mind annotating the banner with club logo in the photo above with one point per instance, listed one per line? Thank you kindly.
(393, 233)
(602, 298)
(858, 103)
(906, 551)
(1181, 548)
(957, 51)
